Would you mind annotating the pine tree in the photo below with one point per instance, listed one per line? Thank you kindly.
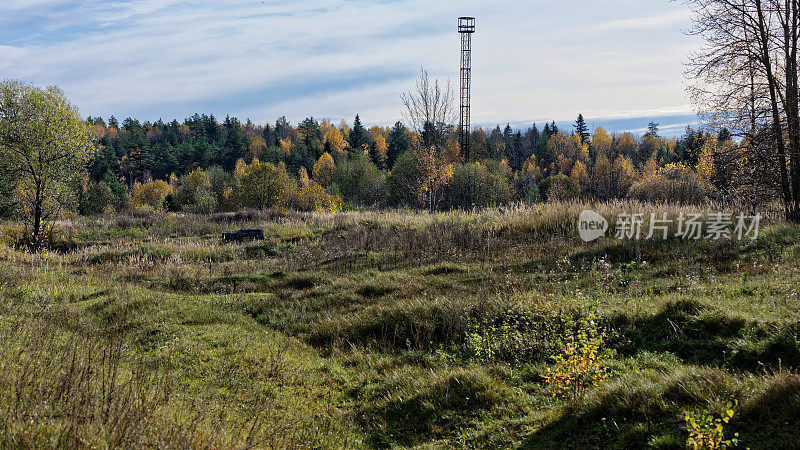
(358, 136)
(399, 142)
(581, 129)
(652, 129)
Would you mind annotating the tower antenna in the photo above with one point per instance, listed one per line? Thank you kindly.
(466, 26)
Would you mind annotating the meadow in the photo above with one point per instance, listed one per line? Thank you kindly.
(376, 329)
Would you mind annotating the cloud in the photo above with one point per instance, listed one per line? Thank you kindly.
(170, 58)
(668, 19)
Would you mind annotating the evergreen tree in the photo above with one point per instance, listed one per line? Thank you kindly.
(652, 129)
(519, 152)
(310, 135)
(282, 129)
(399, 141)
(530, 143)
(234, 143)
(211, 128)
(508, 142)
(581, 129)
(374, 155)
(131, 125)
(358, 136)
(496, 144)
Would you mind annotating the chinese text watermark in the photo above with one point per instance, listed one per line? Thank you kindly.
(689, 226)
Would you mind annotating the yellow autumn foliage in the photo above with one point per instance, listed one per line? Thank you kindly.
(150, 195)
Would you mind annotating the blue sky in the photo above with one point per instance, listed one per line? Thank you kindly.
(619, 62)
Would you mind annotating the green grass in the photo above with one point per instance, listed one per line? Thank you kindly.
(370, 329)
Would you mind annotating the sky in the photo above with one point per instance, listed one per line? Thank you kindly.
(618, 62)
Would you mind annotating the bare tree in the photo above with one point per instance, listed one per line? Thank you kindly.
(746, 79)
(430, 109)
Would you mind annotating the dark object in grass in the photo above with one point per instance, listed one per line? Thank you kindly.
(371, 290)
(247, 234)
(300, 283)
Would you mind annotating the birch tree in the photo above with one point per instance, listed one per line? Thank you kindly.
(47, 145)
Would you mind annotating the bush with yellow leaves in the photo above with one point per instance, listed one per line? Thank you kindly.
(311, 196)
(582, 364)
(707, 431)
(258, 186)
(150, 195)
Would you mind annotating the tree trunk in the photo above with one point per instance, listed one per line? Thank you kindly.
(777, 129)
(792, 118)
(37, 224)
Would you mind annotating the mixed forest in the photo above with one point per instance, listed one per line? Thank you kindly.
(203, 165)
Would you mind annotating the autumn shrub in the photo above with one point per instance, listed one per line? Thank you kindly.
(192, 183)
(707, 431)
(149, 195)
(99, 199)
(559, 188)
(359, 181)
(259, 186)
(581, 365)
(195, 193)
(674, 183)
(474, 185)
(311, 196)
(402, 181)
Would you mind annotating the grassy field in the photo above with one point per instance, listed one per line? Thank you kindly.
(384, 329)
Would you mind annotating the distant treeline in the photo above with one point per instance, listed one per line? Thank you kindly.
(202, 164)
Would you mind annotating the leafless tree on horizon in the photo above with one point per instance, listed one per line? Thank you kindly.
(429, 103)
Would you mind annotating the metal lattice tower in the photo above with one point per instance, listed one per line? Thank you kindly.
(466, 26)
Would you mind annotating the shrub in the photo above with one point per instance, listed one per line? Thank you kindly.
(560, 187)
(150, 194)
(260, 186)
(474, 185)
(359, 181)
(195, 193)
(522, 332)
(204, 202)
(674, 183)
(222, 182)
(505, 340)
(403, 180)
(311, 196)
(707, 431)
(581, 365)
(99, 198)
